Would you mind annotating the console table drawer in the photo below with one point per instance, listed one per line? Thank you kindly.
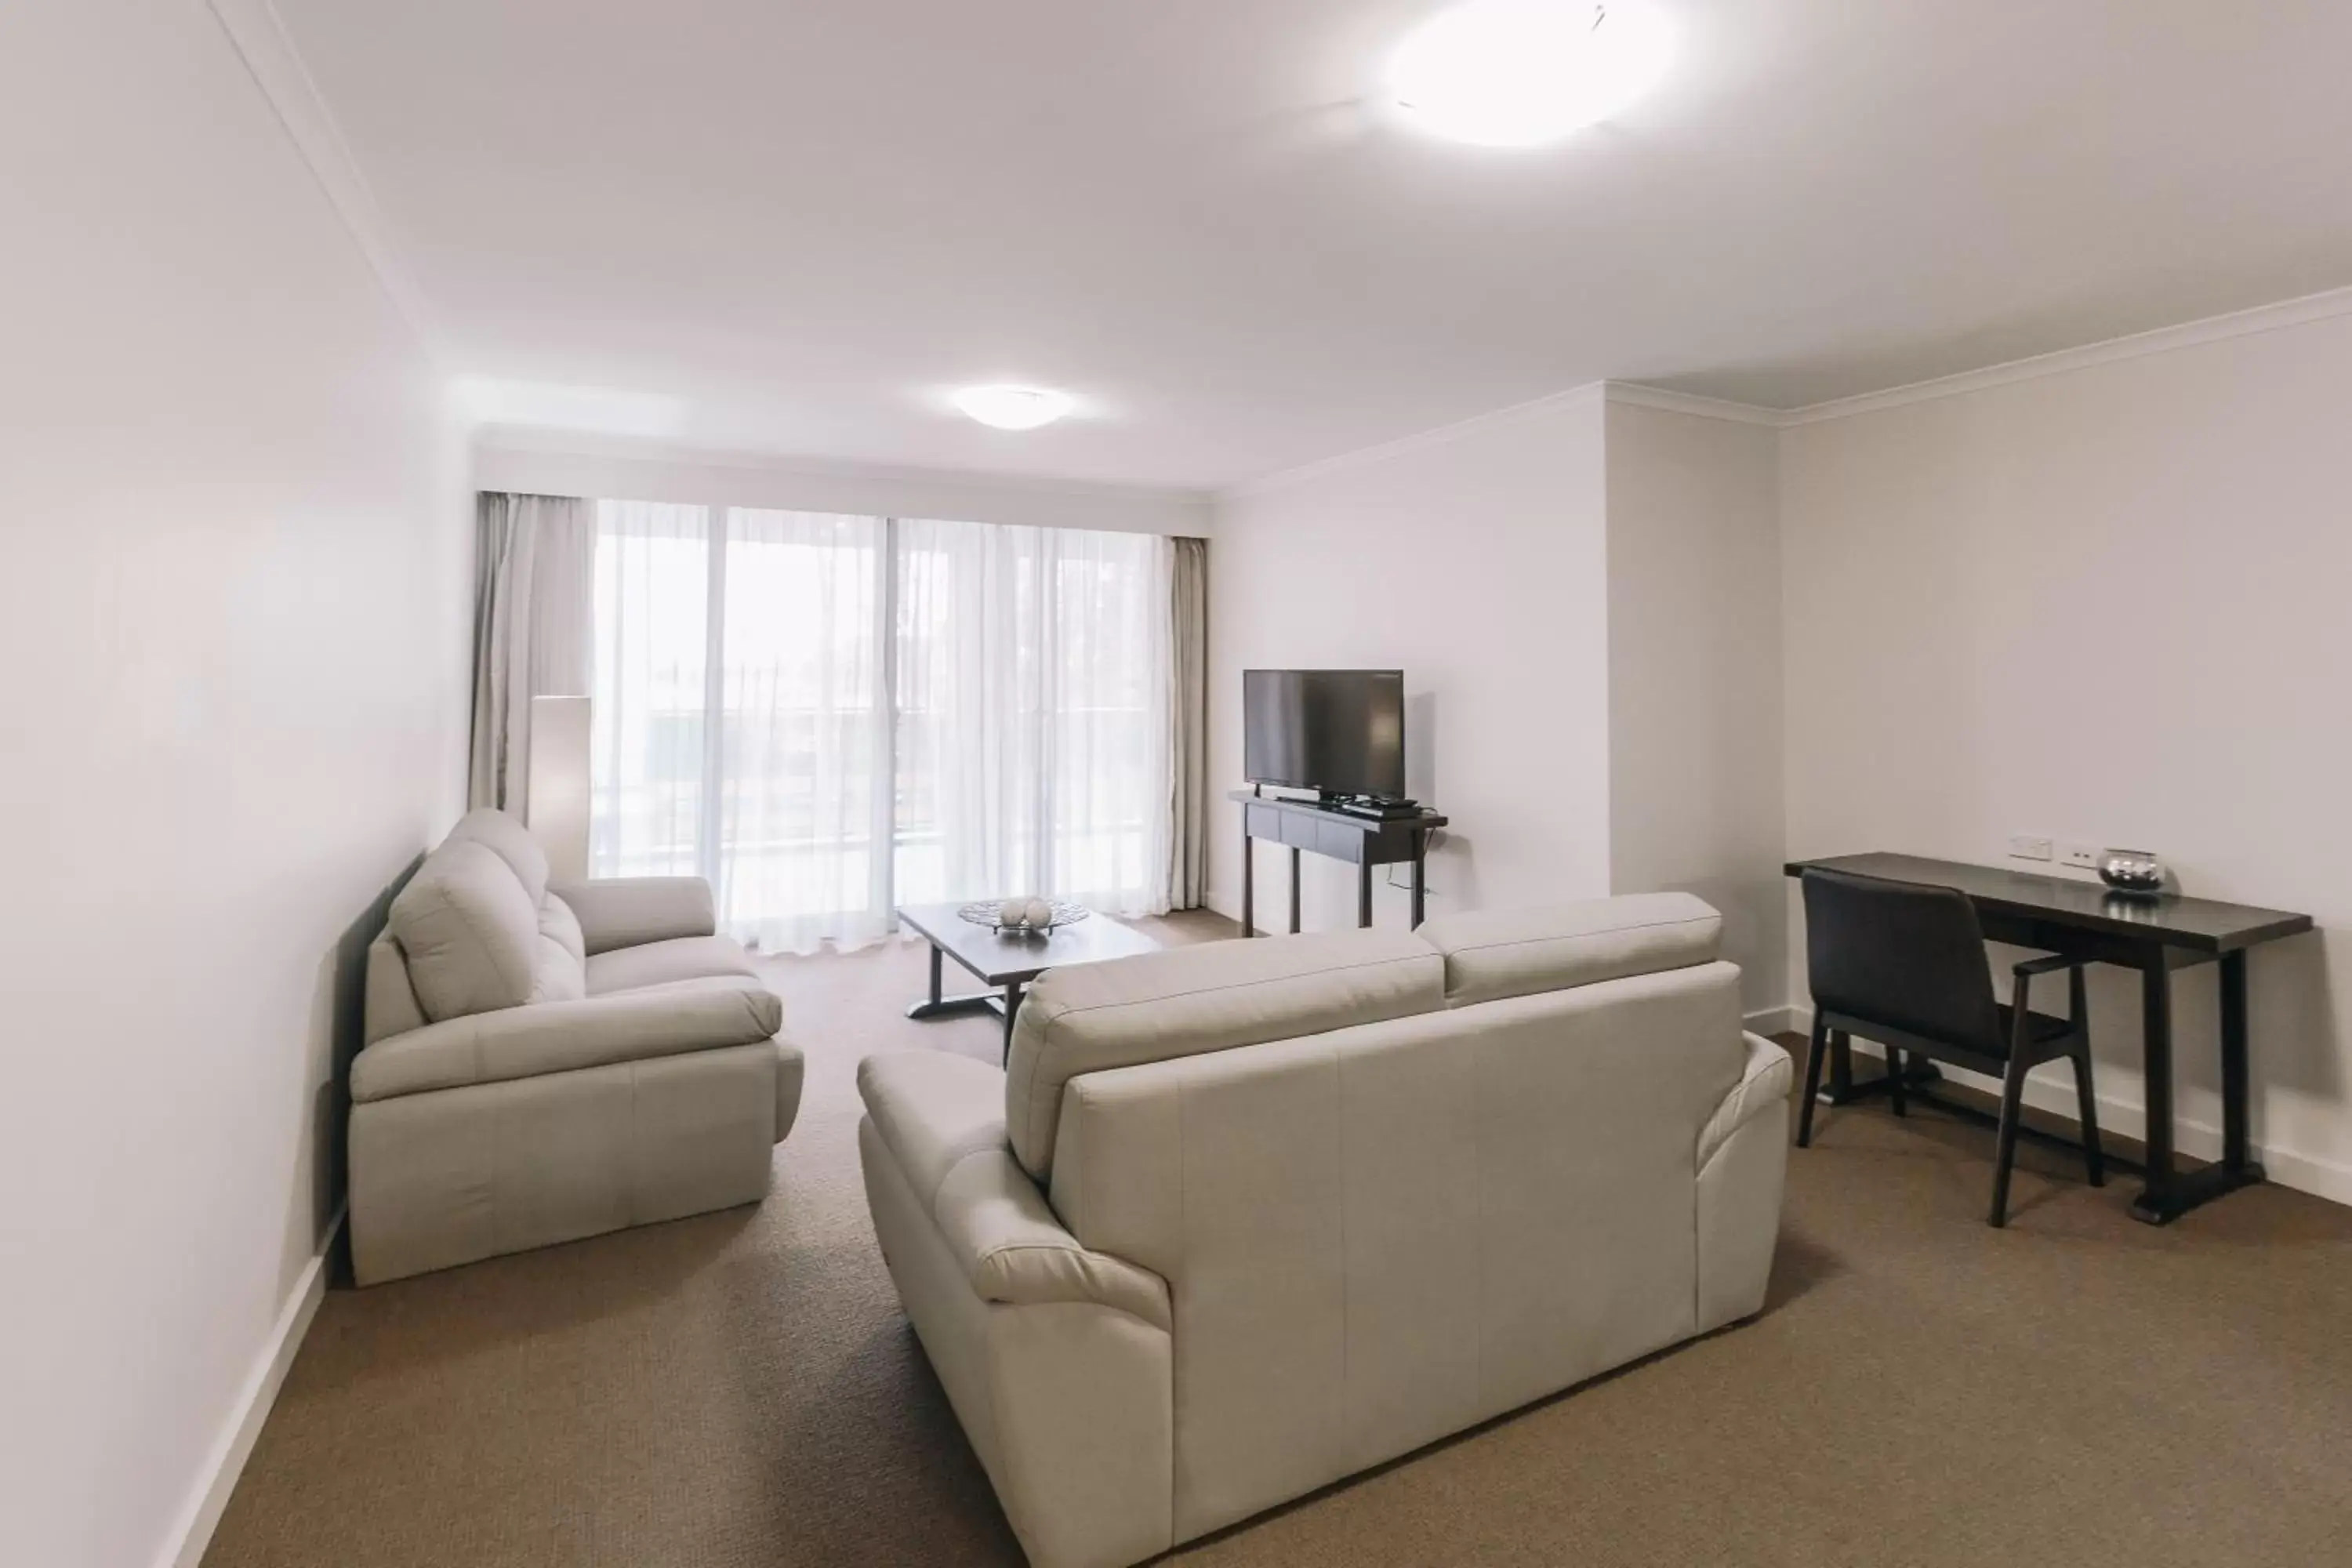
(1337, 840)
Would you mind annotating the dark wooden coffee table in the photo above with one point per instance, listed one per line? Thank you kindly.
(1008, 960)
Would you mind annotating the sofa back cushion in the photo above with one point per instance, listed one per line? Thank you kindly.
(507, 838)
(1188, 1000)
(1491, 954)
(471, 937)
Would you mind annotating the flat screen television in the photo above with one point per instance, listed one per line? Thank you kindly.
(1338, 731)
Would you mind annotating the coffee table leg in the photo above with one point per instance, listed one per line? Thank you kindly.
(938, 1004)
(1012, 1011)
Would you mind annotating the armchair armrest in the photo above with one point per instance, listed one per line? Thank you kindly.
(1764, 1082)
(543, 1038)
(629, 911)
(942, 1120)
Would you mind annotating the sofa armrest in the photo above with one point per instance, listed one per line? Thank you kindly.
(942, 1120)
(629, 911)
(543, 1038)
(1763, 1083)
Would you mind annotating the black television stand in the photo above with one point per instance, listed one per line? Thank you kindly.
(1364, 841)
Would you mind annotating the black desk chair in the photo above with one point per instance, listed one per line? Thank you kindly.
(1905, 966)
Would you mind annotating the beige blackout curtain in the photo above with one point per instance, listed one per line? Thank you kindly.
(535, 564)
(1188, 724)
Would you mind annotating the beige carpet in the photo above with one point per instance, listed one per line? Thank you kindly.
(740, 1389)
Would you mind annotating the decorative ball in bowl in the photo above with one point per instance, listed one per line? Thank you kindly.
(2135, 871)
(1036, 915)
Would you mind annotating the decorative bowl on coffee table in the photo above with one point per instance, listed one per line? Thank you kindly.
(990, 912)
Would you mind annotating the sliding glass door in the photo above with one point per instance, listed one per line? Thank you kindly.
(828, 716)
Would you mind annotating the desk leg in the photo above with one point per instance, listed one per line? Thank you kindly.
(1294, 889)
(1419, 867)
(1012, 1011)
(1364, 891)
(2236, 1140)
(2170, 1195)
(1249, 886)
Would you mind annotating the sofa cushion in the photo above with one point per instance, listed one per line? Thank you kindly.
(468, 931)
(658, 963)
(507, 838)
(561, 927)
(1211, 997)
(1493, 953)
(388, 1006)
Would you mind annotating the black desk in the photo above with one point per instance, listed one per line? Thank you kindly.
(2153, 936)
(1365, 841)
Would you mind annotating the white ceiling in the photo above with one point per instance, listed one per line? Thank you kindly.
(796, 224)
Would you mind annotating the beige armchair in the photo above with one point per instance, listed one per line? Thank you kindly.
(549, 1063)
(1244, 1219)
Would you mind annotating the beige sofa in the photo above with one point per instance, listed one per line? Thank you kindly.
(544, 1064)
(1241, 1220)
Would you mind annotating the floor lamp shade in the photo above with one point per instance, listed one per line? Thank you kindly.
(556, 805)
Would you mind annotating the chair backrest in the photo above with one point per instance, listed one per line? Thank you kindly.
(1903, 954)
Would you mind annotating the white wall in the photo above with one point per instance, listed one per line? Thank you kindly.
(232, 639)
(554, 463)
(1474, 560)
(2110, 605)
(1695, 771)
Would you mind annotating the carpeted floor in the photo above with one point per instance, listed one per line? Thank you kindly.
(740, 1389)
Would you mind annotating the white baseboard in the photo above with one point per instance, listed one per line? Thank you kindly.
(193, 1531)
(2304, 1173)
(1772, 1021)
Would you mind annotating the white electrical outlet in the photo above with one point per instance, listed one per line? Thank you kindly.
(2026, 846)
(2078, 856)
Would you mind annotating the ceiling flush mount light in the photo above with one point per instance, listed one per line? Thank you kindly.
(1513, 73)
(1013, 407)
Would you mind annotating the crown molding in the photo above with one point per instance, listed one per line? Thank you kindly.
(1634, 394)
(2284, 314)
(2269, 318)
(1437, 435)
(257, 33)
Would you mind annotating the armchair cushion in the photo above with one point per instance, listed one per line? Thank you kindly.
(942, 1119)
(560, 1036)
(630, 912)
(1491, 954)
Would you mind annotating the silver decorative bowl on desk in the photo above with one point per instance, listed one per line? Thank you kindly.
(2135, 871)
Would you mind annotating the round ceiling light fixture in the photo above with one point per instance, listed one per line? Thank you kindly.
(1513, 73)
(1013, 407)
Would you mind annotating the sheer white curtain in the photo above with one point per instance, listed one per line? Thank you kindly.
(647, 742)
(804, 853)
(828, 716)
(1032, 695)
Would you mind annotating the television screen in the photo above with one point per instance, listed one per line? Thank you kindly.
(1338, 731)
